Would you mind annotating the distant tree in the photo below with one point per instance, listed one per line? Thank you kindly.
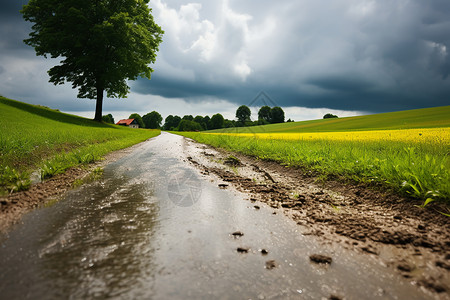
(229, 123)
(243, 114)
(199, 120)
(205, 122)
(102, 43)
(188, 117)
(152, 120)
(329, 116)
(289, 120)
(186, 125)
(138, 119)
(216, 122)
(276, 115)
(108, 119)
(171, 122)
(264, 114)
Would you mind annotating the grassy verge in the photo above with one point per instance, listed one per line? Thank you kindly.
(419, 170)
(34, 137)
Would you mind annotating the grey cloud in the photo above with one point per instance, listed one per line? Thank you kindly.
(371, 56)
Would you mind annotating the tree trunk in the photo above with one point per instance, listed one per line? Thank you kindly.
(99, 105)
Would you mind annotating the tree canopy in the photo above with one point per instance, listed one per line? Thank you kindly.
(171, 122)
(102, 43)
(329, 116)
(152, 120)
(187, 125)
(216, 121)
(108, 118)
(276, 115)
(243, 114)
(138, 119)
(264, 114)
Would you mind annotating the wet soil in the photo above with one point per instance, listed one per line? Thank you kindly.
(412, 240)
(15, 205)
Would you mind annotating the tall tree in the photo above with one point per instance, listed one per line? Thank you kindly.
(171, 122)
(216, 122)
(276, 115)
(102, 43)
(243, 114)
(138, 119)
(108, 118)
(206, 121)
(264, 114)
(152, 120)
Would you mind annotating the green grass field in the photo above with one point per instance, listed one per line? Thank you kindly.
(419, 118)
(34, 137)
(420, 170)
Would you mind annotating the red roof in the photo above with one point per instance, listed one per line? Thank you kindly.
(125, 122)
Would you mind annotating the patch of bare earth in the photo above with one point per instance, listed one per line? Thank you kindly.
(412, 240)
(14, 206)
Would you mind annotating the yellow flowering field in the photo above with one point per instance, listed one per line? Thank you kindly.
(425, 135)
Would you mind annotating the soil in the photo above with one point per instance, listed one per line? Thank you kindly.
(14, 206)
(413, 241)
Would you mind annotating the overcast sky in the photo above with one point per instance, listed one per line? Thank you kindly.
(346, 57)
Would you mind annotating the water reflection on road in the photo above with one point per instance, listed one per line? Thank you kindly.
(153, 228)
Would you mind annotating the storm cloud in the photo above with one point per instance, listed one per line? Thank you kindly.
(348, 55)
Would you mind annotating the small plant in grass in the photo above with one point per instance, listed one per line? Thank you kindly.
(13, 181)
(51, 168)
(84, 158)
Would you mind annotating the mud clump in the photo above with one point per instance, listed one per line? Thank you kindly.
(232, 161)
(320, 259)
(237, 234)
(270, 264)
(243, 249)
(264, 252)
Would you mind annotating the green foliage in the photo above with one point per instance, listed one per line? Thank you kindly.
(243, 114)
(276, 115)
(34, 137)
(188, 117)
(216, 121)
(329, 116)
(420, 171)
(102, 43)
(138, 119)
(418, 118)
(171, 122)
(264, 115)
(186, 125)
(13, 181)
(108, 119)
(152, 120)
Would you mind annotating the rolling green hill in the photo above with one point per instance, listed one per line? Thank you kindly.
(35, 137)
(418, 118)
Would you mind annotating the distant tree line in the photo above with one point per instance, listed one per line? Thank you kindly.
(153, 120)
(266, 115)
(329, 116)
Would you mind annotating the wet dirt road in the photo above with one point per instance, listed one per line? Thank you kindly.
(154, 228)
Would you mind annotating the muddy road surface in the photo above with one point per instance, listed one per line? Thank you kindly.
(157, 227)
